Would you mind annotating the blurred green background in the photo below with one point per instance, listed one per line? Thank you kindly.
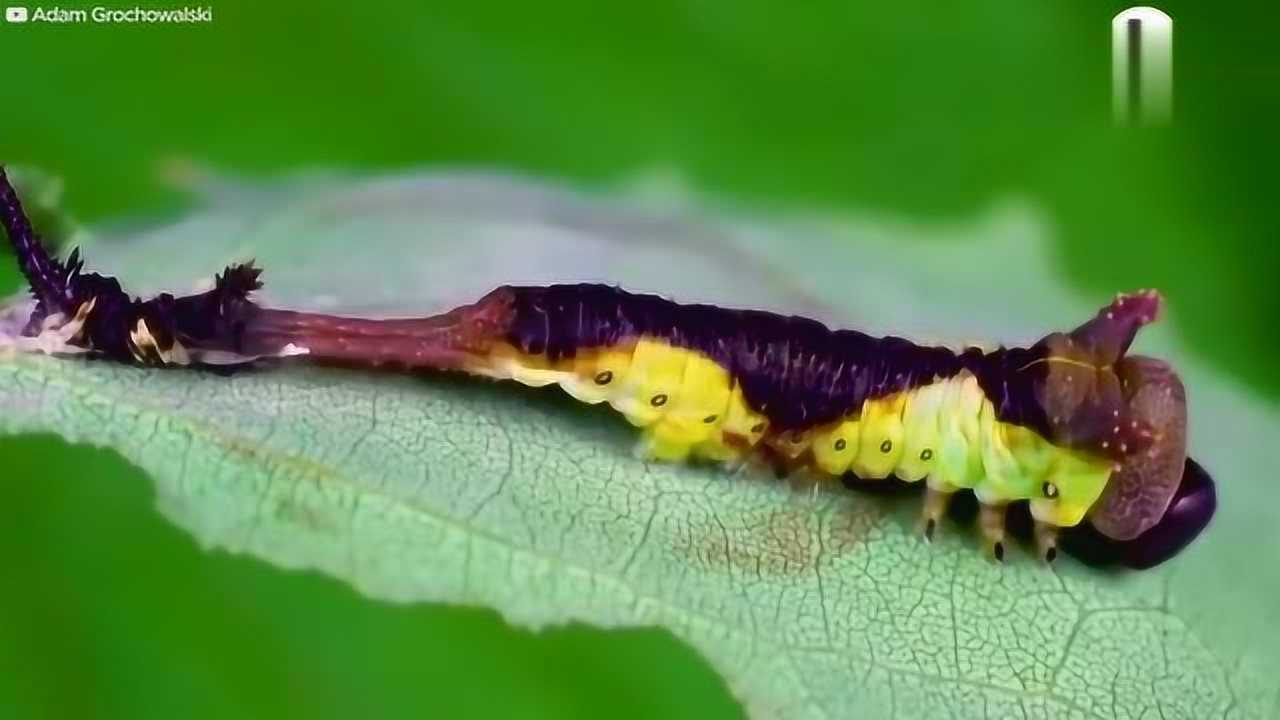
(917, 108)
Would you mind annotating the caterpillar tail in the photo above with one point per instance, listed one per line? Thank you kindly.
(461, 339)
(45, 275)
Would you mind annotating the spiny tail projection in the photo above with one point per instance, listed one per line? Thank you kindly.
(1091, 439)
(46, 277)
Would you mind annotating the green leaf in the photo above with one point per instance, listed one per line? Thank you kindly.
(812, 603)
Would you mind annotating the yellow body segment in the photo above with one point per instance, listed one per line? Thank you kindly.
(958, 465)
(740, 430)
(834, 449)
(1003, 476)
(696, 411)
(699, 406)
(743, 421)
(1035, 455)
(920, 418)
(654, 378)
(946, 432)
(1080, 480)
(880, 445)
(597, 373)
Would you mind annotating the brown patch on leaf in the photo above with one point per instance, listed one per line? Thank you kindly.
(782, 542)
(848, 528)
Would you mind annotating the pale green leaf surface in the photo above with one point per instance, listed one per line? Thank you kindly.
(451, 490)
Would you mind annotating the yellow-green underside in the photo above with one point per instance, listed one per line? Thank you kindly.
(945, 432)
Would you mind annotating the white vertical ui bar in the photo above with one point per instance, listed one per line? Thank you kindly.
(1142, 67)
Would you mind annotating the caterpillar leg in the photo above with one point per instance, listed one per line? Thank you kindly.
(661, 448)
(1046, 537)
(991, 523)
(935, 507)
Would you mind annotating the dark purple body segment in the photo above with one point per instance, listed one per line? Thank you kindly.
(794, 370)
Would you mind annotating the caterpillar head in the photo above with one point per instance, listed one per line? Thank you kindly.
(1131, 410)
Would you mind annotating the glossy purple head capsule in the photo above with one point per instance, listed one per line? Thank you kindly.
(1186, 516)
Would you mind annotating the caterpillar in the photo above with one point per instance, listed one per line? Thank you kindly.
(1088, 439)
